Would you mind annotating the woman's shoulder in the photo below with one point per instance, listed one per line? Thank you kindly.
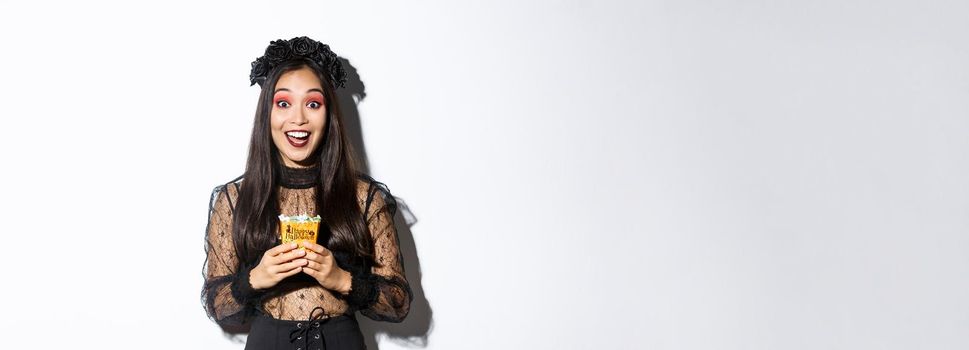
(227, 191)
(367, 186)
(373, 193)
(231, 187)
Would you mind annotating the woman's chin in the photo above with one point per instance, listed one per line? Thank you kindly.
(300, 159)
(298, 155)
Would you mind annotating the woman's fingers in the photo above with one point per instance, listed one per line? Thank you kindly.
(294, 271)
(282, 248)
(285, 257)
(311, 256)
(286, 267)
(317, 264)
(313, 265)
(319, 249)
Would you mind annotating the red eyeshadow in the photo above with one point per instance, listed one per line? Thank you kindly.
(280, 96)
(315, 97)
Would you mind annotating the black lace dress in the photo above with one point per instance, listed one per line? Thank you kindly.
(298, 310)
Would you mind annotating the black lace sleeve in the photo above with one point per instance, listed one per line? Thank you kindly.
(383, 293)
(227, 296)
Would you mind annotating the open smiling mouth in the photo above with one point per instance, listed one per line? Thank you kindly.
(298, 138)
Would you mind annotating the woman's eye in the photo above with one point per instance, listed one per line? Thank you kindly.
(314, 104)
(281, 102)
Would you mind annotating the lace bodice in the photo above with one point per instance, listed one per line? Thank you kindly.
(381, 293)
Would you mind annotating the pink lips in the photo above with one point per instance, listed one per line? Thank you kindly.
(298, 142)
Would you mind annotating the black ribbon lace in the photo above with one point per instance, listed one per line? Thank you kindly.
(303, 331)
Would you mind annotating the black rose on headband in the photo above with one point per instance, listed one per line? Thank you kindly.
(303, 46)
(277, 51)
(258, 72)
(280, 50)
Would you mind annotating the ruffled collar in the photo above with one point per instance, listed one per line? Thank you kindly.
(298, 177)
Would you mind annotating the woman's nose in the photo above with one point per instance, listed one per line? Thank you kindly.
(301, 116)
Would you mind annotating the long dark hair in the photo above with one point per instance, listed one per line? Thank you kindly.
(255, 223)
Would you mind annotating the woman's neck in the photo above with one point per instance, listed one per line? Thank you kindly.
(298, 177)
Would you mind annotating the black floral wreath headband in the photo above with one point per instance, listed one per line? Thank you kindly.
(280, 50)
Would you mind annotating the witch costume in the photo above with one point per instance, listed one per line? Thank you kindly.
(298, 313)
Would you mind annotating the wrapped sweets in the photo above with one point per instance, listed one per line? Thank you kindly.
(299, 228)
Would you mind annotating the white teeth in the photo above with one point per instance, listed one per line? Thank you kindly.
(298, 134)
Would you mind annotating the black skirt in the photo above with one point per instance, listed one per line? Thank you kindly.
(332, 333)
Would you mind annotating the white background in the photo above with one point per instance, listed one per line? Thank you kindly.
(580, 175)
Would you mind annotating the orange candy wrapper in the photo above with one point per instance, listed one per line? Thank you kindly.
(299, 229)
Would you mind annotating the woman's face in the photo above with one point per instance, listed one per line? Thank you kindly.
(298, 116)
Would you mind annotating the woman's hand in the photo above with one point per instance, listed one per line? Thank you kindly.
(276, 264)
(322, 266)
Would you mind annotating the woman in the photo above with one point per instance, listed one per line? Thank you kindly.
(301, 163)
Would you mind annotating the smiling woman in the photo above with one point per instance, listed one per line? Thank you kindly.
(301, 165)
(298, 116)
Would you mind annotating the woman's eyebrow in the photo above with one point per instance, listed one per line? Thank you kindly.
(310, 90)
